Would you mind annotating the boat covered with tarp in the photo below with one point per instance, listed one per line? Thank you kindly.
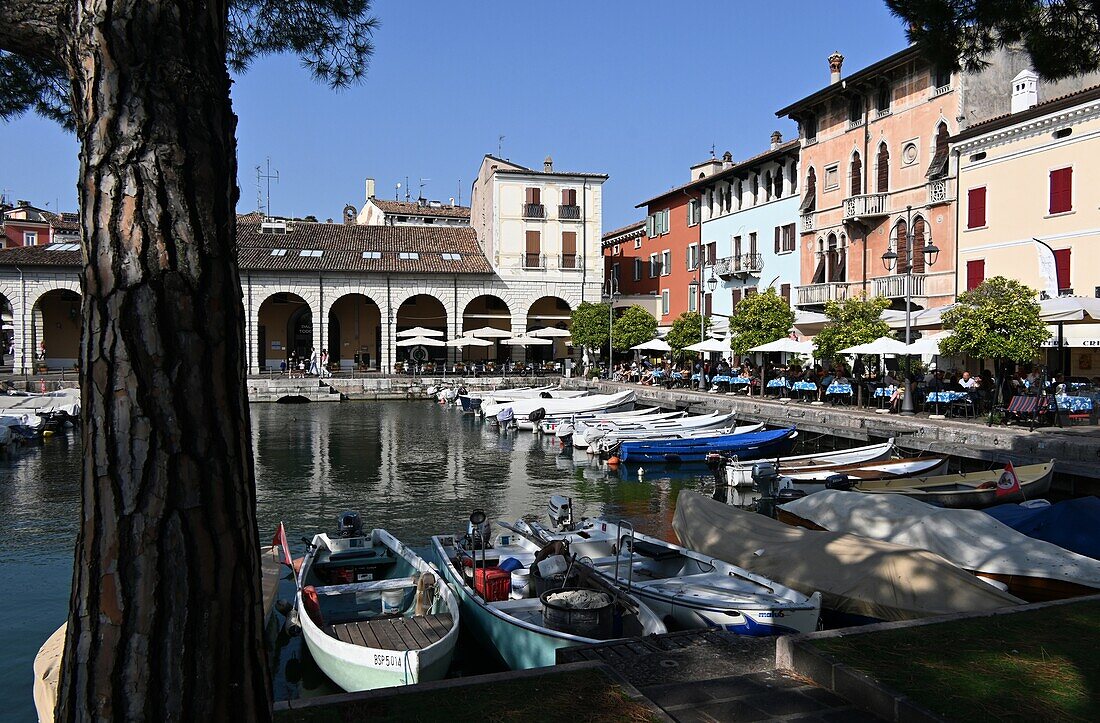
(1072, 524)
(1031, 569)
(861, 579)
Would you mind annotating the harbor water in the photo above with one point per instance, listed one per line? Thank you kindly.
(415, 468)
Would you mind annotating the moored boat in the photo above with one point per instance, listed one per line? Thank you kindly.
(691, 450)
(528, 412)
(854, 475)
(739, 474)
(514, 618)
(373, 613)
(972, 490)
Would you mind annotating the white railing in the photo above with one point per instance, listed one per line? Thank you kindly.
(817, 294)
(807, 142)
(941, 90)
(938, 192)
(868, 204)
(894, 287)
(855, 123)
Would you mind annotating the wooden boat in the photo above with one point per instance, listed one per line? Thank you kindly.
(971, 490)
(690, 450)
(373, 613)
(739, 474)
(690, 589)
(507, 617)
(854, 475)
(1030, 569)
(610, 444)
(1070, 524)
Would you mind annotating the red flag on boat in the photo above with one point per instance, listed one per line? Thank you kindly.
(284, 547)
(1008, 483)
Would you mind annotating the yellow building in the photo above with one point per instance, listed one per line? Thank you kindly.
(1033, 175)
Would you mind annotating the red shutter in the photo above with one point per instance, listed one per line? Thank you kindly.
(1061, 190)
(1061, 263)
(975, 274)
(975, 207)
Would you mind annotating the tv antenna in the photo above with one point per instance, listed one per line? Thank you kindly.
(459, 197)
(423, 182)
(407, 195)
(396, 192)
(500, 146)
(260, 177)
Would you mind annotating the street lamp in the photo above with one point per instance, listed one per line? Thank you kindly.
(889, 261)
(697, 287)
(611, 292)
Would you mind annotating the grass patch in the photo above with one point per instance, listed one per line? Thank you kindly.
(1034, 665)
(556, 696)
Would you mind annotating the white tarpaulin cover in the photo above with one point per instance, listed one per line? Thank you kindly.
(856, 575)
(969, 538)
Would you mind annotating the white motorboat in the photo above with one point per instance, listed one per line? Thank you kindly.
(739, 474)
(605, 438)
(553, 425)
(505, 610)
(686, 588)
(527, 412)
(373, 613)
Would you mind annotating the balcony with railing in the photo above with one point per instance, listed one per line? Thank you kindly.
(820, 294)
(939, 191)
(925, 285)
(739, 265)
(534, 210)
(532, 261)
(867, 205)
(570, 262)
(569, 213)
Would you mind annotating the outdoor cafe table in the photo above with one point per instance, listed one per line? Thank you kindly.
(805, 388)
(836, 390)
(780, 382)
(938, 398)
(1070, 403)
(885, 392)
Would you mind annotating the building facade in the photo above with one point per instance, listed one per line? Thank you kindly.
(625, 272)
(749, 226)
(673, 224)
(421, 212)
(27, 225)
(1027, 182)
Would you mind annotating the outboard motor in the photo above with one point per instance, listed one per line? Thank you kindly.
(716, 462)
(506, 417)
(349, 524)
(789, 494)
(537, 415)
(765, 479)
(838, 482)
(560, 511)
(479, 530)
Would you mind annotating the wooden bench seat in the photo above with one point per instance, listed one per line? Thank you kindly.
(398, 633)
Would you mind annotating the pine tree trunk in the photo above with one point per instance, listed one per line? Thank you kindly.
(165, 620)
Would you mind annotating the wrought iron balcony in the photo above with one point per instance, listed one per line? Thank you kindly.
(740, 265)
(569, 213)
(532, 261)
(751, 263)
(867, 205)
(570, 262)
(534, 210)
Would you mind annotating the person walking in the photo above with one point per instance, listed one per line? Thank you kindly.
(314, 362)
(324, 364)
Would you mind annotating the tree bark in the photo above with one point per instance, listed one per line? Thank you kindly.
(165, 619)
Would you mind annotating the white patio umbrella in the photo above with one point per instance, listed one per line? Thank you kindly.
(488, 332)
(550, 332)
(420, 331)
(928, 344)
(715, 346)
(809, 323)
(652, 345)
(791, 346)
(523, 340)
(880, 346)
(462, 341)
(420, 341)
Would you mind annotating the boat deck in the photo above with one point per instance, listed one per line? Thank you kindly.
(399, 633)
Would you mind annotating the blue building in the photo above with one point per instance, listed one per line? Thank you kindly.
(749, 215)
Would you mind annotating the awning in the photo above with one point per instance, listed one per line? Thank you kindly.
(1074, 336)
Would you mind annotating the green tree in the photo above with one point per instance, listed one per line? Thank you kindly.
(998, 320)
(166, 616)
(852, 321)
(589, 326)
(634, 326)
(685, 331)
(1061, 36)
(759, 319)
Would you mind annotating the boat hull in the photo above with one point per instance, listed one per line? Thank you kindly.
(755, 445)
(740, 475)
(966, 491)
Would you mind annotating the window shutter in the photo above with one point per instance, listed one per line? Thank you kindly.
(1061, 190)
(857, 175)
(752, 243)
(975, 207)
(975, 274)
(1061, 264)
(569, 197)
(534, 242)
(785, 292)
(529, 195)
(900, 242)
(569, 243)
(883, 169)
(736, 294)
(536, 195)
(918, 245)
(649, 226)
(778, 238)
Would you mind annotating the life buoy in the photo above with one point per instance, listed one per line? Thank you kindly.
(312, 605)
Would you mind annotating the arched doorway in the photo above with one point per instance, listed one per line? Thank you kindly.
(549, 311)
(424, 311)
(7, 333)
(284, 332)
(486, 311)
(355, 333)
(55, 329)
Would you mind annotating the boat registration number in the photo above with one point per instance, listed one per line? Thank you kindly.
(388, 661)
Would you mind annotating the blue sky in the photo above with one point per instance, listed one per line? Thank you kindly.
(638, 90)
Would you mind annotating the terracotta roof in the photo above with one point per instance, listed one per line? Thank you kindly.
(624, 229)
(528, 172)
(341, 248)
(901, 57)
(1049, 106)
(410, 208)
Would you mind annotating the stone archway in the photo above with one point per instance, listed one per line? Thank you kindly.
(422, 310)
(487, 310)
(284, 332)
(355, 332)
(549, 311)
(7, 332)
(55, 329)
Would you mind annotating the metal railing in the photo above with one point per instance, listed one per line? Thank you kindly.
(534, 210)
(938, 192)
(570, 262)
(865, 205)
(751, 262)
(569, 213)
(533, 261)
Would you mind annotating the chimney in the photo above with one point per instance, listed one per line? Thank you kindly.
(836, 60)
(1025, 90)
(452, 200)
(370, 188)
(548, 165)
(777, 138)
(727, 160)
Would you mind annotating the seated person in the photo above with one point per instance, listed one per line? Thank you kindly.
(969, 383)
